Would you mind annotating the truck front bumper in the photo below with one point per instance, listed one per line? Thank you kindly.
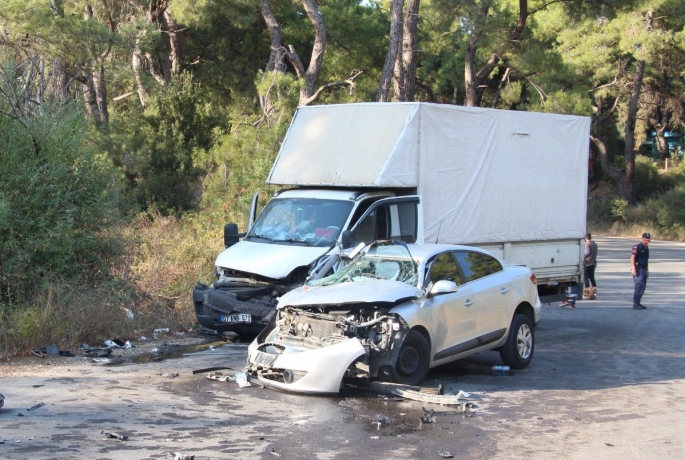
(219, 311)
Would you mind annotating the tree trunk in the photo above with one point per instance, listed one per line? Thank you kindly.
(274, 28)
(177, 42)
(629, 134)
(409, 42)
(470, 80)
(393, 49)
(316, 61)
(136, 65)
(100, 88)
(398, 79)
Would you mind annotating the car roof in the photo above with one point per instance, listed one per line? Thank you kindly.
(422, 252)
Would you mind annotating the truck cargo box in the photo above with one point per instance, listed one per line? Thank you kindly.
(485, 175)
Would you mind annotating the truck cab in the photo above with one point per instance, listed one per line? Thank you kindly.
(300, 234)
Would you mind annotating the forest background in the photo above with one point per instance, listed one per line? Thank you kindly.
(131, 131)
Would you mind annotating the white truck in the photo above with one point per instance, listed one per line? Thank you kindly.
(514, 183)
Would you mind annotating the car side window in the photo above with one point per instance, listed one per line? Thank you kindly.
(493, 264)
(443, 267)
(473, 264)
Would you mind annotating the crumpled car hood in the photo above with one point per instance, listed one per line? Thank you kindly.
(274, 261)
(348, 293)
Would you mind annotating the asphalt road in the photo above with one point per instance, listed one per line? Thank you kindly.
(606, 382)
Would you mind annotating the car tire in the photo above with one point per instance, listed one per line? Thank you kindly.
(517, 352)
(412, 363)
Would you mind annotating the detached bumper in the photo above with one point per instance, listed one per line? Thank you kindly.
(303, 370)
(214, 306)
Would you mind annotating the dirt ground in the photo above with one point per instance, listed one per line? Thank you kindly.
(606, 382)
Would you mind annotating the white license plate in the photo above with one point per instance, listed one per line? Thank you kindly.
(264, 359)
(240, 318)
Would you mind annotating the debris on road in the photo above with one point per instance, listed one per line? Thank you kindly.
(51, 350)
(445, 454)
(36, 406)
(161, 330)
(180, 456)
(211, 369)
(241, 379)
(120, 437)
(429, 395)
(428, 416)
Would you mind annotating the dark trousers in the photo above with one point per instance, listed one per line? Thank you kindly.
(589, 276)
(640, 280)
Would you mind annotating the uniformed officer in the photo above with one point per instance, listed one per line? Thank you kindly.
(639, 261)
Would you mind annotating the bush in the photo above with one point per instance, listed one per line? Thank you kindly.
(56, 195)
(648, 181)
(671, 212)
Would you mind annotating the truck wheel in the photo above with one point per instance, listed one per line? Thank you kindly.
(413, 361)
(517, 352)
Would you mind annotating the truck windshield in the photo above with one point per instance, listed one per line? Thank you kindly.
(300, 221)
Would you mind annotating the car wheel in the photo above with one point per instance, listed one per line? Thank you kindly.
(517, 352)
(412, 363)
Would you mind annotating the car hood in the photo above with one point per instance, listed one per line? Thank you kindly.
(381, 291)
(274, 261)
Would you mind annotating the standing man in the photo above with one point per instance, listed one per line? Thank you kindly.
(639, 261)
(590, 263)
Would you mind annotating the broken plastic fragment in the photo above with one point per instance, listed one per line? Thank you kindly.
(241, 379)
(445, 454)
(36, 406)
(120, 437)
(52, 350)
(180, 456)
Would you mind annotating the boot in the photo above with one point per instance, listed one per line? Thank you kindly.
(587, 294)
(593, 293)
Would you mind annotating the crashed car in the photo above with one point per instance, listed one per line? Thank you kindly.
(392, 313)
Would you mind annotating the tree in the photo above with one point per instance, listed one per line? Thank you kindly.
(307, 76)
(395, 43)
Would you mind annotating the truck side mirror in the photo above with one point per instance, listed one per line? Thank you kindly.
(231, 235)
(347, 239)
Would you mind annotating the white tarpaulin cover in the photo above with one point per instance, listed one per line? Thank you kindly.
(485, 175)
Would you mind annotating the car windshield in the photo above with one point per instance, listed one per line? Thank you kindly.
(301, 221)
(384, 260)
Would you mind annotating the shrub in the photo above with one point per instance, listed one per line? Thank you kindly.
(56, 195)
(648, 181)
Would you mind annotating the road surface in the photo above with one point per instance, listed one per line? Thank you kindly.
(606, 382)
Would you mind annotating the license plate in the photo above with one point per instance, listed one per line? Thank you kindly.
(240, 318)
(263, 359)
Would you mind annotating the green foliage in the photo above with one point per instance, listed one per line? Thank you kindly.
(648, 181)
(56, 194)
(158, 148)
(671, 212)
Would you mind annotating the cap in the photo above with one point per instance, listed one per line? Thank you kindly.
(647, 236)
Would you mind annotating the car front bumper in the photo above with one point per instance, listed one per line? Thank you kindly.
(311, 370)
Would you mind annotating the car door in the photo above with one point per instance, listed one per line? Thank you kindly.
(455, 331)
(484, 275)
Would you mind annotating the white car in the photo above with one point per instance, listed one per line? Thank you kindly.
(392, 313)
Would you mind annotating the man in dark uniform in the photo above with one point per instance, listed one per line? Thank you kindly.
(639, 260)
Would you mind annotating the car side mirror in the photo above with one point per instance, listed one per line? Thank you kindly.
(443, 287)
(347, 239)
(231, 235)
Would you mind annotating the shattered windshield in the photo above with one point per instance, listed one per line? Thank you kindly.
(300, 221)
(384, 260)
